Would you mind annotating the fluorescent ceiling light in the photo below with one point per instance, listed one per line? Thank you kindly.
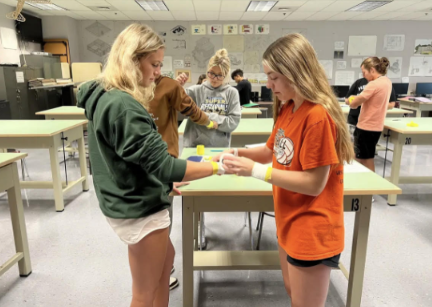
(260, 6)
(368, 6)
(46, 7)
(149, 5)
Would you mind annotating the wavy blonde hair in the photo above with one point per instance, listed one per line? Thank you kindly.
(294, 57)
(122, 69)
(221, 60)
(380, 65)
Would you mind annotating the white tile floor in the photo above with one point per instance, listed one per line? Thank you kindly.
(78, 261)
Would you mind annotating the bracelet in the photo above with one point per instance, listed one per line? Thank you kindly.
(209, 126)
(262, 172)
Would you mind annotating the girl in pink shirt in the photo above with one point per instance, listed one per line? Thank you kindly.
(373, 101)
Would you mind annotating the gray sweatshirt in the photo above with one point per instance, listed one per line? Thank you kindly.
(222, 105)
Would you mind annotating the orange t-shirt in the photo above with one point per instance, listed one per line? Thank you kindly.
(374, 109)
(308, 227)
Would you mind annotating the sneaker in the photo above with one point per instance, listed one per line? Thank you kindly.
(203, 239)
(373, 199)
(174, 283)
(172, 270)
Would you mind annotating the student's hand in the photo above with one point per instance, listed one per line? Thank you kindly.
(350, 99)
(182, 78)
(215, 125)
(218, 156)
(240, 166)
(177, 185)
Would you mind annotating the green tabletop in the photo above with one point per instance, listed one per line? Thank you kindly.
(247, 126)
(394, 111)
(250, 111)
(400, 125)
(65, 110)
(357, 181)
(36, 128)
(8, 158)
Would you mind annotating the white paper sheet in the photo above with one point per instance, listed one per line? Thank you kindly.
(356, 62)
(328, 68)
(344, 77)
(355, 168)
(234, 43)
(405, 80)
(20, 76)
(339, 45)
(394, 42)
(167, 63)
(9, 38)
(178, 64)
(395, 68)
(362, 45)
(417, 67)
(341, 65)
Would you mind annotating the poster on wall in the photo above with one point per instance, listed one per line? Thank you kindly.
(339, 45)
(341, 65)
(178, 30)
(188, 61)
(184, 71)
(179, 43)
(230, 29)
(215, 29)
(198, 29)
(9, 38)
(167, 63)
(394, 42)
(395, 68)
(178, 64)
(423, 46)
(356, 62)
(236, 59)
(362, 45)
(233, 43)
(338, 55)
(263, 29)
(328, 68)
(420, 67)
(344, 77)
(246, 29)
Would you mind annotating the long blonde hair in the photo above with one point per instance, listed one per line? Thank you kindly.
(221, 60)
(294, 57)
(122, 69)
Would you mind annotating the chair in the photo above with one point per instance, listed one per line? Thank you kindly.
(260, 226)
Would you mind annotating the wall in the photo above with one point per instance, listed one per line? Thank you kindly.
(66, 28)
(9, 56)
(95, 38)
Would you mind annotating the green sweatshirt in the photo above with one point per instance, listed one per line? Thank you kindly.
(132, 170)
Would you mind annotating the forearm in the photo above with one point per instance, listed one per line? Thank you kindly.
(357, 101)
(303, 182)
(260, 154)
(197, 170)
(225, 123)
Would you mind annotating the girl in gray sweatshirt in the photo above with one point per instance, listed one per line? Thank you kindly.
(220, 101)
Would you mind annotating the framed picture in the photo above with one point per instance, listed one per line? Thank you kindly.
(184, 71)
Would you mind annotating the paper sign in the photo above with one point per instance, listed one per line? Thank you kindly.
(405, 80)
(20, 76)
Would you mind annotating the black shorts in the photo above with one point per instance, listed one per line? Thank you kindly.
(332, 262)
(365, 143)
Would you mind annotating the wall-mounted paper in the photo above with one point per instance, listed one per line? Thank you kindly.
(236, 60)
(215, 29)
(344, 77)
(262, 29)
(405, 79)
(167, 63)
(9, 38)
(395, 68)
(184, 71)
(339, 45)
(234, 43)
(246, 29)
(328, 68)
(178, 64)
(356, 63)
(198, 29)
(341, 65)
(423, 46)
(362, 45)
(394, 42)
(420, 67)
(230, 29)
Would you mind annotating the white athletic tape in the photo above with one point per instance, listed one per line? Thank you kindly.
(259, 171)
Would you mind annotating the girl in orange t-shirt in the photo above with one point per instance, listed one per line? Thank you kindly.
(308, 146)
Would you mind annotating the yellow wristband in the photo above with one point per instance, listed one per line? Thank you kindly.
(215, 167)
(351, 99)
(209, 126)
(268, 174)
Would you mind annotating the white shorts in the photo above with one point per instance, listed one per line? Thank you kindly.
(131, 231)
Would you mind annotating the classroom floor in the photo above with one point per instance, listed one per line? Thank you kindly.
(78, 260)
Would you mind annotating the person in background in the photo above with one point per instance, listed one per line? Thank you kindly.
(170, 97)
(202, 78)
(132, 169)
(308, 147)
(374, 102)
(221, 102)
(243, 86)
(356, 88)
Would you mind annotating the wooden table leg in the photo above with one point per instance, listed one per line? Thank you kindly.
(57, 181)
(18, 224)
(358, 253)
(395, 168)
(188, 250)
(83, 163)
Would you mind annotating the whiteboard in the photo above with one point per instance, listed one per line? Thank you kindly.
(362, 45)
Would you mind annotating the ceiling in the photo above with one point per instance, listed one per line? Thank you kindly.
(190, 10)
